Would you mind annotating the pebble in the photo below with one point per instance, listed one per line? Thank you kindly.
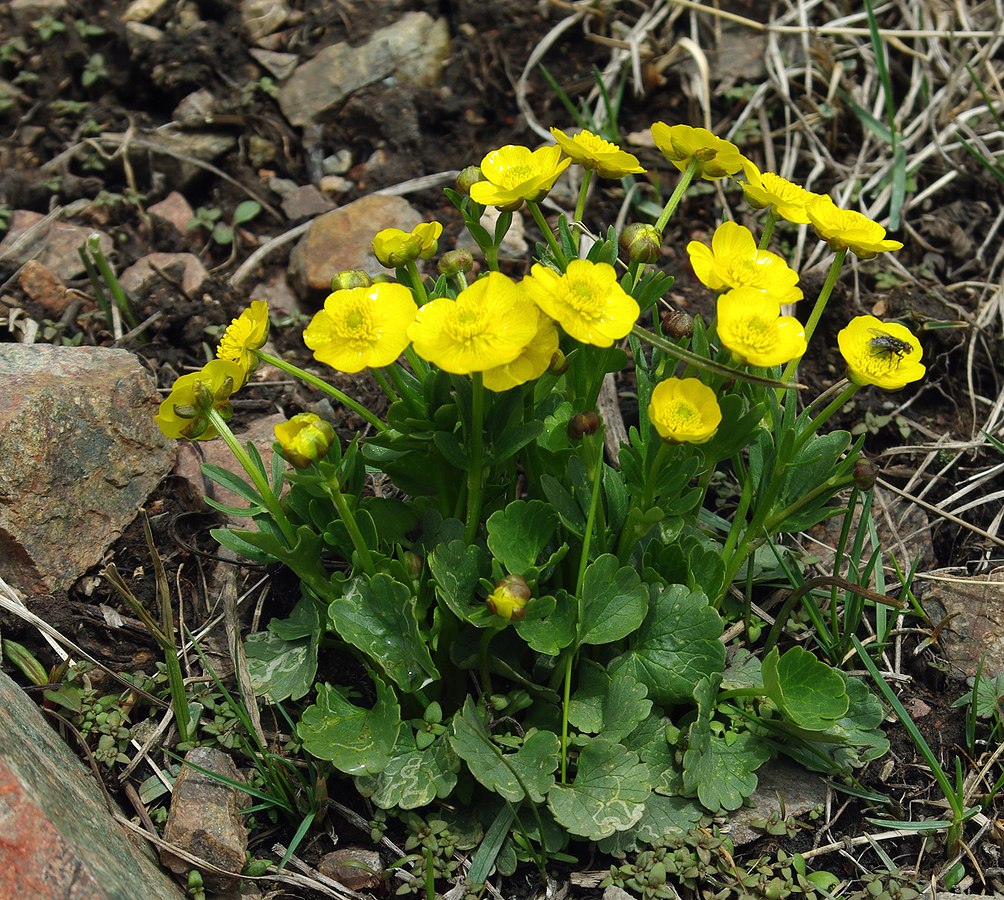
(42, 286)
(356, 868)
(53, 244)
(184, 269)
(305, 202)
(175, 210)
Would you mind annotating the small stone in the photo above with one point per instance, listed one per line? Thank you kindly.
(205, 818)
(195, 109)
(280, 65)
(337, 163)
(58, 242)
(279, 295)
(139, 36)
(282, 186)
(343, 239)
(975, 630)
(356, 868)
(175, 210)
(184, 269)
(305, 202)
(262, 17)
(335, 185)
(207, 146)
(24, 12)
(43, 287)
(780, 785)
(142, 10)
(262, 151)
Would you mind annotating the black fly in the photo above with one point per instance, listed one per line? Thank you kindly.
(884, 343)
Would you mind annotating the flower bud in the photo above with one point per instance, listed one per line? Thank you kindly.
(677, 324)
(413, 563)
(453, 262)
(558, 364)
(510, 597)
(349, 279)
(865, 474)
(467, 177)
(304, 439)
(582, 424)
(641, 243)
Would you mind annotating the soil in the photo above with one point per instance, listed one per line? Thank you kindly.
(50, 112)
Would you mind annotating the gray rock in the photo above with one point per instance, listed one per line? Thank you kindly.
(514, 245)
(976, 629)
(195, 109)
(281, 65)
(59, 839)
(262, 17)
(343, 239)
(304, 202)
(206, 146)
(24, 12)
(79, 454)
(184, 269)
(53, 243)
(205, 818)
(413, 50)
(357, 868)
(139, 35)
(141, 10)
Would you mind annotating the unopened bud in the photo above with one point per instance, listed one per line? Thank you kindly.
(453, 262)
(865, 474)
(558, 364)
(641, 243)
(304, 439)
(349, 279)
(413, 563)
(467, 177)
(582, 424)
(510, 597)
(677, 324)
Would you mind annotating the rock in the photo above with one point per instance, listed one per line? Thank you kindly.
(24, 12)
(206, 146)
(43, 287)
(781, 784)
(343, 239)
(195, 109)
(184, 269)
(79, 453)
(205, 818)
(615, 893)
(139, 36)
(337, 163)
(305, 202)
(976, 629)
(414, 50)
(514, 244)
(59, 839)
(280, 65)
(262, 17)
(334, 184)
(141, 10)
(57, 241)
(280, 296)
(357, 868)
(175, 210)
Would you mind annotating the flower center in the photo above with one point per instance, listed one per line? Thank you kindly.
(356, 323)
(580, 296)
(682, 416)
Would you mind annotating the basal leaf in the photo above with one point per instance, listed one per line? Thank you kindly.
(377, 616)
(611, 706)
(518, 534)
(723, 772)
(555, 631)
(807, 691)
(609, 793)
(457, 568)
(354, 740)
(413, 778)
(662, 816)
(614, 602)
(281, 669)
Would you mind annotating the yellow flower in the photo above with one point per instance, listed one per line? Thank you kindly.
(514, 174)
(245, 334)
(750, 325)
(532, 362)
(847, 228)
(304, 439)
(510, 597)
(684, 411)
(394, 247)
(885, 354)
(681, 143)
(784, 198)
(587, 301)
(488, 325)
(592, 152)
(362, 327)
(183, 414)
(734, 260)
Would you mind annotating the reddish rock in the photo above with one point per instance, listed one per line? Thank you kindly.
(343, 239)
(184, 269)
(79, 454)
(357, 868)
(57, 837)
(43, 287)
(175, 210)
(53, 244)
(305, 201)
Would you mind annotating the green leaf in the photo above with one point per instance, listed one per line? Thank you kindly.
(280, 669)
(805, 690)
(650, 742)
(413, 778)
(614, 602)
(484, 859)
(609, 793)
(354, 740)
(534, 763)
(246, 211)
(233, 483)
(378, 617)
(511, 441)
(662, 816)
(564, 504)
(556, 630)
(457, 567)
(611, 706)
(676, 645)
(518, 534)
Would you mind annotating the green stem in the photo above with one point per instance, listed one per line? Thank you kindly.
(475, 465)
(674, 201)
(118, 294)
(417, 284)
(334, 491)
(849, 391)
(552, 241)
(566, 699)
(768, 230)
(486, 676)
(381, 379)
(259, 481)
(580, 205)
(322, 386)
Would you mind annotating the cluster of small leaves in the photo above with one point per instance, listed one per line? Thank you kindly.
(888, 886)
(103, 720)
(690, 859)
(431, 844)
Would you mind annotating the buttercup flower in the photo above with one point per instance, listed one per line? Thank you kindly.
(766, 190)
(183, 414)
(848, 228)
(532, 362)
(245, 334)
(734, 260)
(684, 411)
(488, 325)
(680, 144)
(510, 597)
(885, 354)
(304, 439)
(362, 327)
(394, 247)
(592, 152)
(587, 301)
(514, 174)
(750, 326)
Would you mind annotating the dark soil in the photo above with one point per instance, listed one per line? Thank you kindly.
(50, 112)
